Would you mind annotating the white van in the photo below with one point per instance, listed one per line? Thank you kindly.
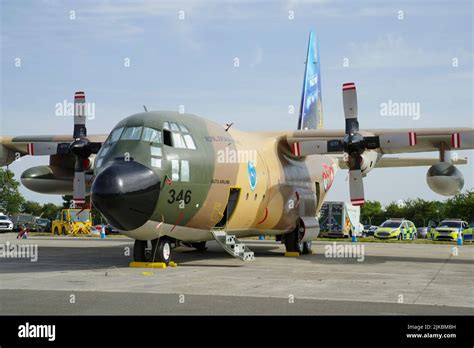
(6, 225)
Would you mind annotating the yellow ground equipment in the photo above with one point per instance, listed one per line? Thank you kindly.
(72, 221)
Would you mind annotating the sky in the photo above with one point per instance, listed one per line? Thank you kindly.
(166, 54)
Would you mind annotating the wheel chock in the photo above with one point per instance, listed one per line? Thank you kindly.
(292, 254)
(135, 264)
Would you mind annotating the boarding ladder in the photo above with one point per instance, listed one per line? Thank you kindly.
(232, 245)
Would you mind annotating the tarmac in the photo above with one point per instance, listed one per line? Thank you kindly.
(79, 276)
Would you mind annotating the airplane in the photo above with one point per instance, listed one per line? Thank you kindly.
(166, 178)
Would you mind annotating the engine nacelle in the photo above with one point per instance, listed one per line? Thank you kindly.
(445, 179)
(51, 180)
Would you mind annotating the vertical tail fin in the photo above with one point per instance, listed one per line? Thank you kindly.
(311, 109)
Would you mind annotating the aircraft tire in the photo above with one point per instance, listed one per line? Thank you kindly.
(163, 252)
(292, 244)
(307, 247)
(139, 251)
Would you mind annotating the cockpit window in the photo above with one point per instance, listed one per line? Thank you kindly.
(176, 135)
(174, 127)
(132, 133)
(152, 135)
(188, 139)
(114, 136)
(184, 129)
(178, 141)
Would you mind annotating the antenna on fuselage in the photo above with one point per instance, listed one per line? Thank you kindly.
(228, 125)
(144, 107)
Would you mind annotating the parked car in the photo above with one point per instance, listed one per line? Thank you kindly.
(109, 229)
(24, 220)
(396, 228)
(6, 225)
(369, 230)
(423, 232)
(450, 229)
(43, 225)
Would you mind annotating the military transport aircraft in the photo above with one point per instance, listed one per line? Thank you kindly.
(165, 178)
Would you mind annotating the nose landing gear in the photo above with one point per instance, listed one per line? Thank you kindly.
(156, 250)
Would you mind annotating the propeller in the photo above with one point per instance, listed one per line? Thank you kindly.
(80, 147)
(354, 144)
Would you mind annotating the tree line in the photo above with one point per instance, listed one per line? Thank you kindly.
(420, 211)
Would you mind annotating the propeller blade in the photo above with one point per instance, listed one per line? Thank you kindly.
(46, 148)
(79, 115)
(356, 187)
(349, 100)
(79, 184)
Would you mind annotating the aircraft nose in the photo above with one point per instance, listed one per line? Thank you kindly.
(126, 193)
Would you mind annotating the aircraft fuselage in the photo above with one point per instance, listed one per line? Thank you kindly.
(205, 176)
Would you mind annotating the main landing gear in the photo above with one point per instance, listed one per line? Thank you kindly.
(293, 242)
(156, 250)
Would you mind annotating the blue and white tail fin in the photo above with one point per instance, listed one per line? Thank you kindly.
(311, 109)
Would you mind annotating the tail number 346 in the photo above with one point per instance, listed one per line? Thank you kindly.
(180, 196)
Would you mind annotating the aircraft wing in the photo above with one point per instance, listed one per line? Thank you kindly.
(387, 141)
(14, 147)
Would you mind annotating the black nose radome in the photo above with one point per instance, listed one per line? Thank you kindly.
(126, 192)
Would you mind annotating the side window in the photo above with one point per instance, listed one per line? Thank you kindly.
(184, 170)
(188, 139)
(64, 216)
(183, 128)
(156, 162)
(174, 170)
(174, 127)
(177, 135)
(178, 141)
